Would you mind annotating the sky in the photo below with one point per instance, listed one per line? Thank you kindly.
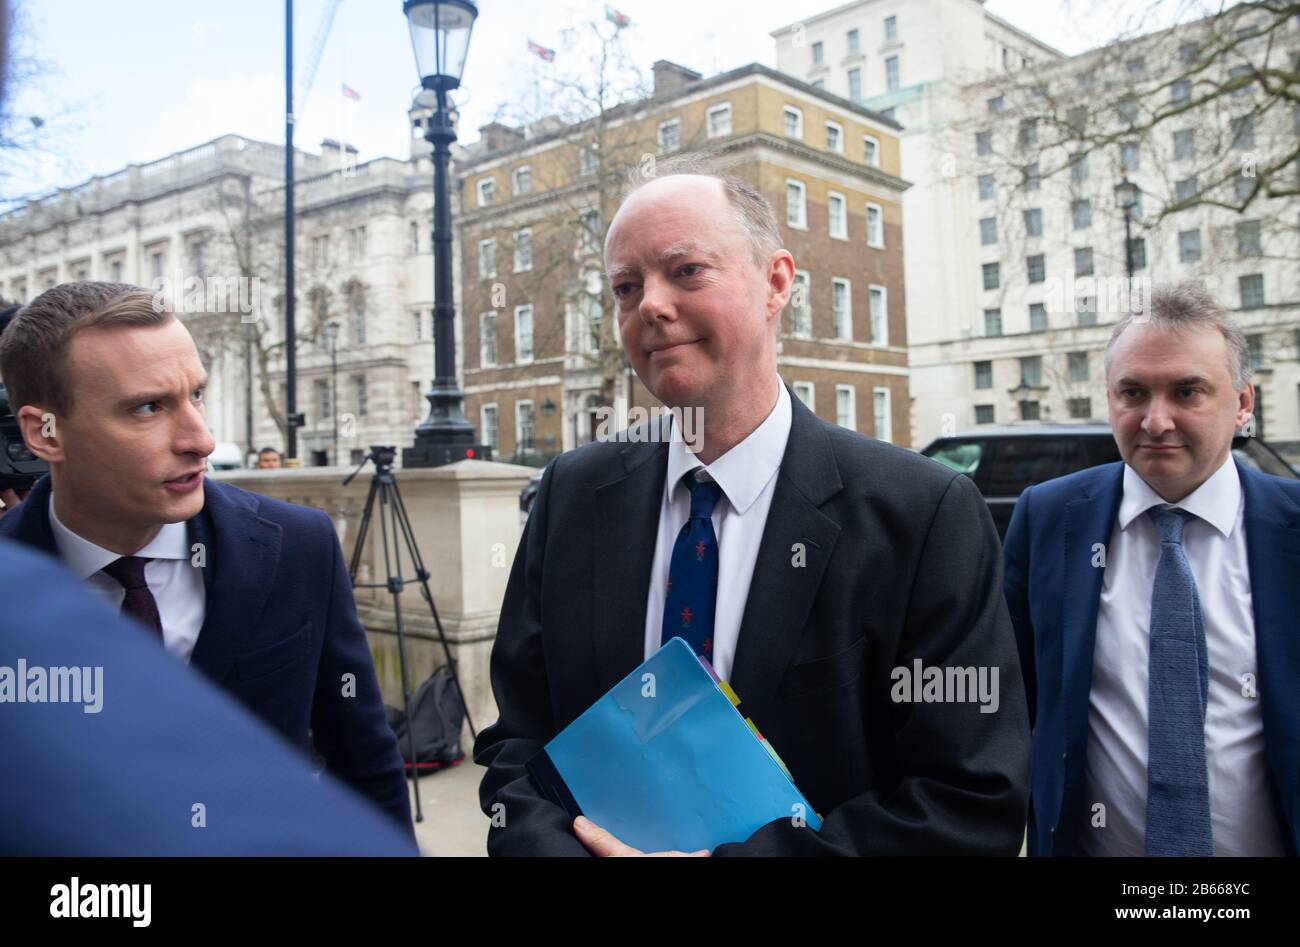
(135, 80)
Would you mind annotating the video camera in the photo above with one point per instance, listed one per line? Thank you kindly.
(19, 467)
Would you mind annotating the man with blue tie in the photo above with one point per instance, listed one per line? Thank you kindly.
(1154, 602)
(109, 390)
(806, 562)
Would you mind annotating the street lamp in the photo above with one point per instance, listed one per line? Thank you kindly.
(332, 336)
(1126, 197)
(440, 31)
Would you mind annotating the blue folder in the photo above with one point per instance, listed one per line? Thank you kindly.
(665, 761)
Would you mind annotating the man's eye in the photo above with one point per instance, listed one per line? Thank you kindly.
(198, 393)
(623, 289)
(1188, 392)
(693, 267)
(142, 412)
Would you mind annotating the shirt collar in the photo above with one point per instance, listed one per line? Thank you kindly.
(746, 469)
(84, 558)
(1217, 500)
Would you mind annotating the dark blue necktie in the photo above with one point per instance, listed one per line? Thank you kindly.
(1178, 784)
(692, 595)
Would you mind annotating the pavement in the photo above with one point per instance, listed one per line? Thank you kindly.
(454, 825)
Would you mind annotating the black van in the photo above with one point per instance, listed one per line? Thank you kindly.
(1004, 460)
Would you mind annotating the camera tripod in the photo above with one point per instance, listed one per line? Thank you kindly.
(395, 532)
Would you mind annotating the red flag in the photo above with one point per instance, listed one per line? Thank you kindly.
(541, 51)
(351, 93)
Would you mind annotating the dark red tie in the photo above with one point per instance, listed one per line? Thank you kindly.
(139, 603)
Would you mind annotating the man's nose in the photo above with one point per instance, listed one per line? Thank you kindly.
(1158, 419)
(193, 435)
(657, 300)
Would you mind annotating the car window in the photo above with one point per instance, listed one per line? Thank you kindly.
(962, 456)
(1019, 462)
(1101, 450)
(1258, 457)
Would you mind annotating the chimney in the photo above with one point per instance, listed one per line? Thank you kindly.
(496, 136)
(671, 78)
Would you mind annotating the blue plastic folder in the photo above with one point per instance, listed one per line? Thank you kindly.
(665, 761)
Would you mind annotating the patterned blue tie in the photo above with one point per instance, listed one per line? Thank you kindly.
(1178, 783)
(692, 595)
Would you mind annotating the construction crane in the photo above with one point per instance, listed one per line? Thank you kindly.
(312, 63)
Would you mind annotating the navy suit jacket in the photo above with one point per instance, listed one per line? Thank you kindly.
(1053, 592)
(280, 630)
(126, 780)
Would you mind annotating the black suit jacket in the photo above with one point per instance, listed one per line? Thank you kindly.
(280, 630)
(902, 562)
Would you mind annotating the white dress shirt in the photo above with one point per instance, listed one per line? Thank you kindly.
(747, 476)
(176, 585)
(1242, 818)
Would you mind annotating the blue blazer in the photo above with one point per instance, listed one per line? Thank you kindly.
(167, 765)
(280, 630)
(1053, 592)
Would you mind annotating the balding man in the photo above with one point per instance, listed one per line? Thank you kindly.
(838, 560)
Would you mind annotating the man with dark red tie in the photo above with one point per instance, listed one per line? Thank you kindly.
(108, 389)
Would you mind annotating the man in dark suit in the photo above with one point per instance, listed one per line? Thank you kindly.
(1154, 602)
(253, 592)
(149, 759)
(836, 560)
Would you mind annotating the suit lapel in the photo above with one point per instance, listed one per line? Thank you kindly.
(29, 524)
(241, 553)
(627, 527)
(781, 594)
(1089, 520)
(1273, 551)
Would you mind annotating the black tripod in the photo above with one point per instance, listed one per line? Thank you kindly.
(383, 484)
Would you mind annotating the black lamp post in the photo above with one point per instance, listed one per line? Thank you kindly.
(1126, 196)
(332, 336)
(440, 31)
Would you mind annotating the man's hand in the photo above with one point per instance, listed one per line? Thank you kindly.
(603, 845)
(10, 499)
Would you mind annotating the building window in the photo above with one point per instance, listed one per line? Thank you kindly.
(523, 426)
(988, 231)
(1187, 52)
(837, 217)
(793, 122)
(1248, 242)
(1083, 263)
(1033, 222)
(1128, 110)
(1081, 214)
(1181, 92)
(879, 312)
(358, 316)
(1077, 118)
(415, 236)
(1036, 268)
(587, 243)
(487, 416)
(1027, 137)
(987, 188)
(1243, 188)
(523, 250)
(487, 192)
(800, 306)
(806, 392)
(1255, 352)
(487, 339)
(322, 398)
(855, 85)
(996, 104)
(362, 398)
(1033, 177)
(983, 375)
(835, 137)
(841, 309)
(1077, 366)
(984, 414)
(719, 120)
(846, 414)
(1184, 145)
(819, 84)
(1037, 317)
(1186, 189)
(875, 226)
(523, 334)
(983, 144)
(1138, 251)
(1252, 290)
(522, 180)
(991, 273)
(589, 158)
(1079, 169)
(1240, 76)
(1029, 410)
(891, 29)
(871, 150)
(853, 43)
(880, 414)
(1189, 246)
(116, 269)
(796, 204)
(1243, 133)
(1080, 408)
(1129, 157)
(670, 135)
(891, 74)
(487, 259)
(818, 54)
(417, 323)
(992, 323)
(157, 263)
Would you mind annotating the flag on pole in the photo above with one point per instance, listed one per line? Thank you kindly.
(351, 93)
(540, 51)
(620, 20)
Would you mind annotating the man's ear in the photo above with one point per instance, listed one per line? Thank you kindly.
(1245, 405)
(40, 429)
(780, 280)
